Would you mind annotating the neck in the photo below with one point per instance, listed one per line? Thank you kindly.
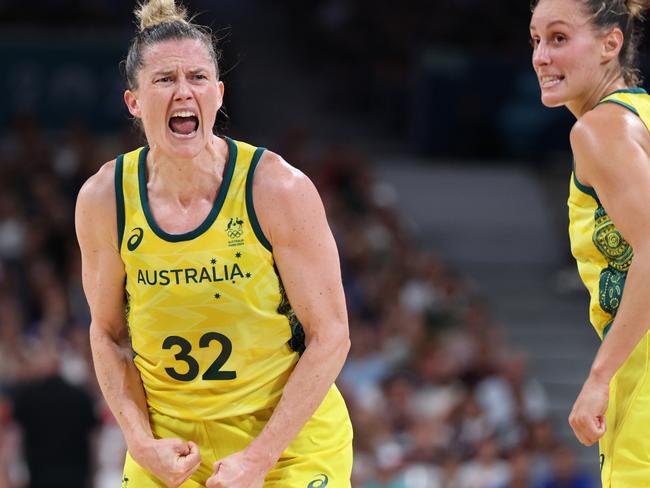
(185, 180)
(608, 84)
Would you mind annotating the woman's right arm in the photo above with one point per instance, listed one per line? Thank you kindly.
(170, 460)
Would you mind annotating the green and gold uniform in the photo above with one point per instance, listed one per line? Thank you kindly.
(213, 335)
(603, 258)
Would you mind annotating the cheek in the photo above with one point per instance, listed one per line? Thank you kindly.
(152, 110)
(212, 103)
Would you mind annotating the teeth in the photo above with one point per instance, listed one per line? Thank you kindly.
(550, 80)
(184, 114)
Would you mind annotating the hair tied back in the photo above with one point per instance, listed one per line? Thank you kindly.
(637, 7)
(154, 12)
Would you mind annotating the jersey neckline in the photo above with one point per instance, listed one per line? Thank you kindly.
(216, 208)
(634, 90)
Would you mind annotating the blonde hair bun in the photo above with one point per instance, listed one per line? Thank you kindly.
(153, 12)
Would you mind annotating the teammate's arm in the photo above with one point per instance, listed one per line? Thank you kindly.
(610, 145)
(293, 219)
(170, 460)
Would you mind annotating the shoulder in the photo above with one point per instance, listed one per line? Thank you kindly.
(606, 138)
(100, 187)
(274, 174)
(284, 197)
(281, 184)
(608, 124)
(96, 203)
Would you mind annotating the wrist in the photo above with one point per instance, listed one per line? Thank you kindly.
(600, 374)
(262, 456)
(138, 445)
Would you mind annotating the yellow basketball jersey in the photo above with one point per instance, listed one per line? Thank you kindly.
(211, 329)
(602, 254)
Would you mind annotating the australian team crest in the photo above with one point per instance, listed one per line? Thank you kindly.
(235, 231)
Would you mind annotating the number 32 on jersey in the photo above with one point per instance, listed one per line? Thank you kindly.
(214, 372)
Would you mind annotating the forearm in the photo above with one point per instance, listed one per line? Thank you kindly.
(308, 384)
(121, 386)
(630, 325)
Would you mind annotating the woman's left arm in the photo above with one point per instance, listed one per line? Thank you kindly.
(610, 146)
(293, 219)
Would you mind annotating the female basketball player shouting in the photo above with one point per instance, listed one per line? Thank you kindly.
(196, 251)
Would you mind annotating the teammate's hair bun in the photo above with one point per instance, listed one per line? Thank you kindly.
(154, 12)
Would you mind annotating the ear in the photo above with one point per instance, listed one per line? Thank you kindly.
(612, 44)
(220, 89)
(131, 102)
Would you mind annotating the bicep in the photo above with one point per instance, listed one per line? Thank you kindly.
(103, 273)
(620, 174)
(307, 258)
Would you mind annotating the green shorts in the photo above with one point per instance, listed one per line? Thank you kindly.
(319, 457)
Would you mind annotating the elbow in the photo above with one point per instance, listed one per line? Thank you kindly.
(334, 344)
(337, 349)
(100, 333)
(340, 346)
(345, 346)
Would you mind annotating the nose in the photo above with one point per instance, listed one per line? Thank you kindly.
(541, 55)
(183, 91)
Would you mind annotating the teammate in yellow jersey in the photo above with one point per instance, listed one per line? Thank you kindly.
(584, 56)
(218, 315)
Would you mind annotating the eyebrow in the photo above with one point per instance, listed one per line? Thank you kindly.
(551, 24)
(164, 71)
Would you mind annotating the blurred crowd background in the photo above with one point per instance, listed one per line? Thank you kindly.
(442, 389)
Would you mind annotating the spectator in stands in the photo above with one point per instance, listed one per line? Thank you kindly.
(57, 421)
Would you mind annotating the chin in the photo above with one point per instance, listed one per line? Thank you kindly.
(186, 148)
(552, 100)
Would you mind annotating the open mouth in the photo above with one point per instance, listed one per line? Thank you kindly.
(549, 81)
(184, 123)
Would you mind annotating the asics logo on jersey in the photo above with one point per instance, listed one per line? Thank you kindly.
(319, 482)
(135, 239)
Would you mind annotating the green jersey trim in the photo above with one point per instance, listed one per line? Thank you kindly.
(585, 189)
(635, 90)
(119, 199)
(606, 329)
(250, 208)
(622, 104)
(216, 208)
